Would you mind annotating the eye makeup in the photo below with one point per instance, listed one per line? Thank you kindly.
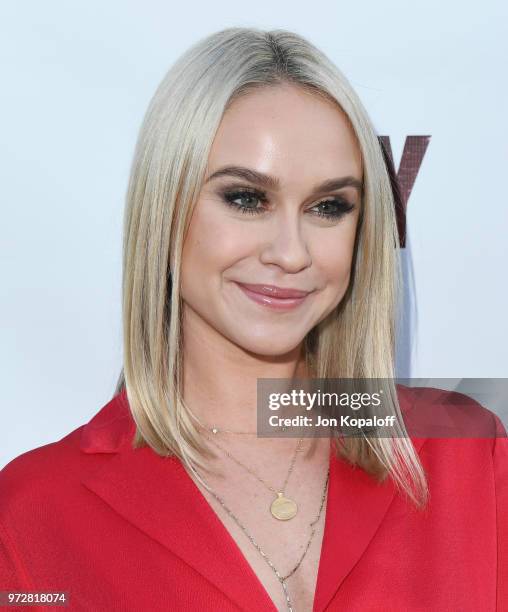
(332, 208)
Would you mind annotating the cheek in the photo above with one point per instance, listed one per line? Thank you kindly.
(213, 243)
(333, 255)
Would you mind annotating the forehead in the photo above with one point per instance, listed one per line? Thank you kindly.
(289, 132)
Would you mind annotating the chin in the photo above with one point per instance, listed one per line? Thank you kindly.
(269, 345)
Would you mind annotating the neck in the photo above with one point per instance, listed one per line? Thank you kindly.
(220, 378)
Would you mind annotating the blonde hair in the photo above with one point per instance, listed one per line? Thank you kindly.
(357, 340)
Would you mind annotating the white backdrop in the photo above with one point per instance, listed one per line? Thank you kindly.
(76, 80)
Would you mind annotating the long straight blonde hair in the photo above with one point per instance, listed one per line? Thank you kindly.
(357, 340)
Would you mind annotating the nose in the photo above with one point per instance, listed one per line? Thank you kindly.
(284, 244)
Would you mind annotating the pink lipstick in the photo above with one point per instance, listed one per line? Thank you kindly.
(278, 298)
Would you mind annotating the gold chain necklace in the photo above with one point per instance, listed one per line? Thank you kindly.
(280, 578)
(282, 507)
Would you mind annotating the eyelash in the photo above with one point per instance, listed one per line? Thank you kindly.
(229, 196)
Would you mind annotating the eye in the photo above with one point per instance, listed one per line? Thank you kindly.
(332, 209)
(248, 201)
(245, 200)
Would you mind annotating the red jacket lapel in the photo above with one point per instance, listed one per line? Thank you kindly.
(156, 495)
(356, 507)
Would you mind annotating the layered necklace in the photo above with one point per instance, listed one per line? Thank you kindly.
(282, 507)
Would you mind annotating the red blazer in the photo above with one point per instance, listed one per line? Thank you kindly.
(127, 530)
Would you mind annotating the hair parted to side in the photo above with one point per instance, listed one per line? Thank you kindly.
(356, 340)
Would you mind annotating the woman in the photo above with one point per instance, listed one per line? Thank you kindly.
(260, 242)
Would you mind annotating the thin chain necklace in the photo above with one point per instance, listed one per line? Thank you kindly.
(280, 578)
(282, 507)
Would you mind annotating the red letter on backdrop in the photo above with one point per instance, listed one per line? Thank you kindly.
(404, 179)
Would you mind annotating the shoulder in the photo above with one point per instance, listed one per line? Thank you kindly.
(433, 413)
(48, 473)
(39, 469)
(463, 447)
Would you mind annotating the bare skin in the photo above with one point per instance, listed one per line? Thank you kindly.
(230, 340)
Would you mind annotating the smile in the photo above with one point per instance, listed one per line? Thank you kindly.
(273, 297)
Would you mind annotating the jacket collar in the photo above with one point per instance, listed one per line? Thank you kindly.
(157, 495)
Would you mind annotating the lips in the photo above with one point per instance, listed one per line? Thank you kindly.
(275, 298)
(276, 292)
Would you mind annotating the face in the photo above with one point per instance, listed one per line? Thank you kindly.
(269, 248)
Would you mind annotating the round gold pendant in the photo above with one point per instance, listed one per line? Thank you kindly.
(283, 508)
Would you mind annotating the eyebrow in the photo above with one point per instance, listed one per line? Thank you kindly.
(271, 182)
